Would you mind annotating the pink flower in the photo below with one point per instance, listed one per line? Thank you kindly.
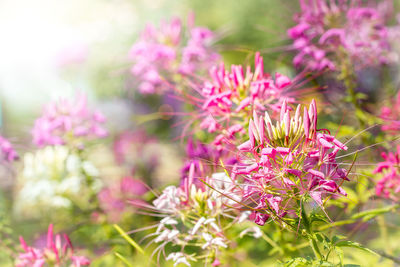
(162, 53)
(389, 185)
(390, 115)
(231, 96)
(288, 160)
(56, 252)
(68, 122)
(7, 151)
(324, 29)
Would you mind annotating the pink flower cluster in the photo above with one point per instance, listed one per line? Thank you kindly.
(7, 151)
(231, 96)
(389, 185)
(390, 115)
(287, 160)
(58, 252)
(325, 30)
(68, 122)
(113, 199)
(160, 54)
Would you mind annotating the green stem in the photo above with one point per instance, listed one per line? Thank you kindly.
(315, 249)
(310, 233)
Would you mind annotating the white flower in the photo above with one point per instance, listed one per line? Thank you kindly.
(225, 189)
(169, 199)
(197, 225)
(254, 231)
(244, 216)
(167, 235)
(51, 176)
(166, 221)
(178, 257)
(90, 169)
(213, 224)
(218, 241)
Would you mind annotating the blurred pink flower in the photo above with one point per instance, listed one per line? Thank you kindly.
(68, 121)
(160, 54)
(391, 117)
(324, 30)
(7, 151)
(389, 185)
(57, 252)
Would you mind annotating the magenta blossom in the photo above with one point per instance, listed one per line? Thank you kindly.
(164, 53)
(230, 97)
(325, 31)
(288, 160)
(389, 185)
(390, 115)
(7, 151)
(68, 122)
(57, 253)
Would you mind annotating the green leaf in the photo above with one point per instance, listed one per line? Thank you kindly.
(336, 238)
(369, 214)
(347, 243)
(123, 259)
(318, 218)
(127, 238)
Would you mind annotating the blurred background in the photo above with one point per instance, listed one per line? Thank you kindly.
(54, 48)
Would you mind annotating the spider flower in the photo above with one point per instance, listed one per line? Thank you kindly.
(325, 29)
(55, 177)
(287, 160)
(193, 218)
(390, 116)
(67, 122)
(7, 151)
(162, 54)
(231, 96)
(389, 186)
(58, 252)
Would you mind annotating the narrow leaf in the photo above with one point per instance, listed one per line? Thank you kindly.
(347, 243)
(127, 238)
(123, 259)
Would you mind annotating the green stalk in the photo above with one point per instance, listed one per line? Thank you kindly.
(310, 233)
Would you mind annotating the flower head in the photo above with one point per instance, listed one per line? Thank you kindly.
(55, 177)
(326, 29)
(165, 52)
(68, 122)
(390, 115)
(7, 151)
(230, 97)
(57, 252)
(287, 160)
(389, 185)
(194, 217)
